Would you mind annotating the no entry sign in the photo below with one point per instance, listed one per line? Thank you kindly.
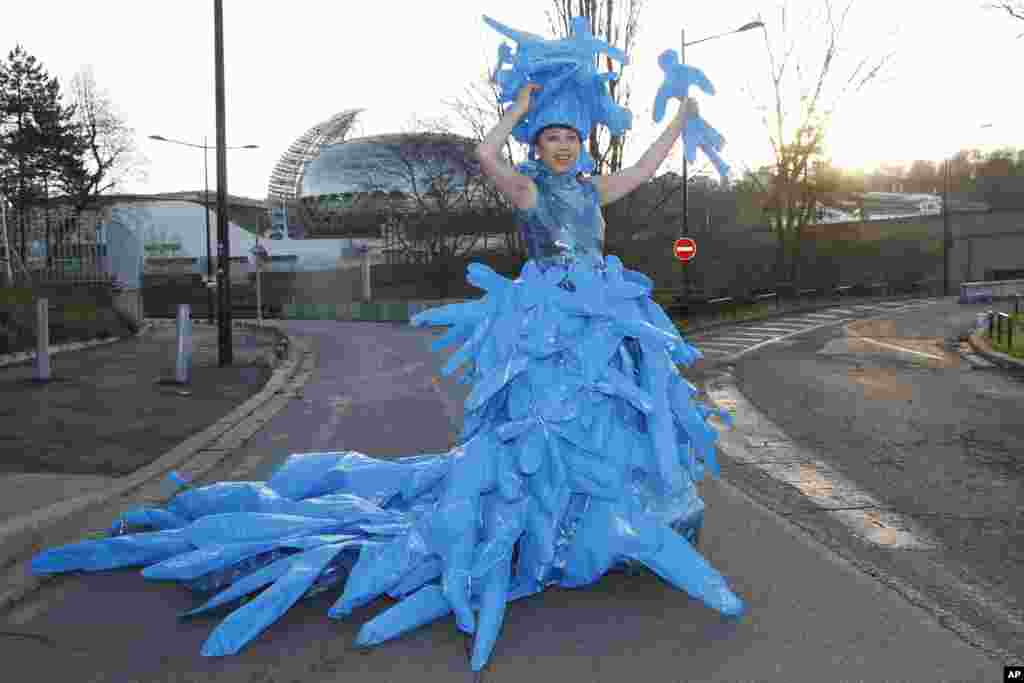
(685, 249)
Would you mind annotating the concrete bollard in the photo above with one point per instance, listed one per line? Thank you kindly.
(366, 274)
(42, 366)
(183, 361)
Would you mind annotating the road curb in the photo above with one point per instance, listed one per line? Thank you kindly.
(982, 347)
(58, 524)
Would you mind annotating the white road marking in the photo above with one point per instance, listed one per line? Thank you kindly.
(763, 335)
(773, 328)
(894, 347)
(786, 461)
(720, 343)
(791, 334)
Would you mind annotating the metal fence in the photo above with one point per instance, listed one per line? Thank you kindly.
(698, 304)
(1003, 328)
(54, 246)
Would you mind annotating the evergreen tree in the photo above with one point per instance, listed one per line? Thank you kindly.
(37, 138)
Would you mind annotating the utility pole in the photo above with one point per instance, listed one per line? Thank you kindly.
(686, 225)
(946, 236)
(206, 210)
(225, 346)
(682, 60)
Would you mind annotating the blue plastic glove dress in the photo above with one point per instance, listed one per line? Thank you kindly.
(578, 454)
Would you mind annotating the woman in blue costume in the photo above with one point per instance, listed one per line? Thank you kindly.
(581, 443)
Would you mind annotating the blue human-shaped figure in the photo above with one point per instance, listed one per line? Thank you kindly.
(697, 133)
(579, 453)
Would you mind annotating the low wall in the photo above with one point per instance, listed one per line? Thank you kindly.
(985, 292)
(77, 312)
(376, 311)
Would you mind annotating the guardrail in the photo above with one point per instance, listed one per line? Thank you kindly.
(698, 304)
(694, 305)
(1001, 325)
(985, 292)
(676, 304)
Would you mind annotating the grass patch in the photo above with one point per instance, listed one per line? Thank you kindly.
(1001, 343)
(736, 314)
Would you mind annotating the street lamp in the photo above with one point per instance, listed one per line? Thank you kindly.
(947, 235)
(682, 60)
(206, 206)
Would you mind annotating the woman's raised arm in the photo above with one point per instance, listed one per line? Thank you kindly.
(515, 186)
(612, 187)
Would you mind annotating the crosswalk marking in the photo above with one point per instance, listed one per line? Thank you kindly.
(720, 343)
(746, 337)
(774, 328)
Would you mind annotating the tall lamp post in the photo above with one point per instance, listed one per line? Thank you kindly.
(682, 60)
(947, 235)
(206, 207)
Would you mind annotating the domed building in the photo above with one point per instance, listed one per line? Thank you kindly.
(328, 186)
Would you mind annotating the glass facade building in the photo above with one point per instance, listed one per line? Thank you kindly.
(329, 186)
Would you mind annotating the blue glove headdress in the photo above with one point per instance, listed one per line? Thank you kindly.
(572, 93)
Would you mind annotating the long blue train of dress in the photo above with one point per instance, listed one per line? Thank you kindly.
(579, 452)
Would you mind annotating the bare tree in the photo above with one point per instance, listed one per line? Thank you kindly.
(795, 190)
(1014, 9)
(435, 203)
(111, 156)
(478, 112)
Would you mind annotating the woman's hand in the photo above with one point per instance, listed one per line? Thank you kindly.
(523, 97)
(690, 108)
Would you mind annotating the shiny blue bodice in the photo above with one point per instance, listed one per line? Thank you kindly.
(566, 225)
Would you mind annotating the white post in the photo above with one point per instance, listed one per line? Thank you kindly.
(366, 273)
(42, 368)
(259, 296)
(183, 359)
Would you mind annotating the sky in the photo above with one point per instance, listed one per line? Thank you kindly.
(291, 65)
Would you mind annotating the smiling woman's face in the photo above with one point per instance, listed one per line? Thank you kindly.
(558, 148)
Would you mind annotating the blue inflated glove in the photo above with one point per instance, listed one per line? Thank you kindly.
(697, 133)
(678, 78)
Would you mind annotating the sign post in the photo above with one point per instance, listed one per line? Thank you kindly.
(278, 222)
(261, 256)
(685, 249)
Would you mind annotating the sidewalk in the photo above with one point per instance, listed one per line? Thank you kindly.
(105, 414)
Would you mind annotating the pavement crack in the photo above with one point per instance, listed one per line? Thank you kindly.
(37, 637)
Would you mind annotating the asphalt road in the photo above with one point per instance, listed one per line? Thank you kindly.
(886, 416)
(813, 615)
